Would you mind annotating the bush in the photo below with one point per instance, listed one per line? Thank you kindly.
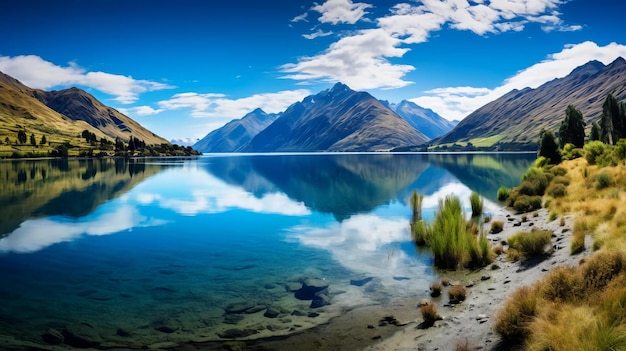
(593, 150)
(503, 193)
(560, 180)
(557, 190)
(435, 289)
(558, 171)
(429, 313)
(512, 324)
(601, 268)
(525, 203)
(530, 244)
(477, 204)
(563, 284)
(496, 227)
(603, 180)
(457, 294)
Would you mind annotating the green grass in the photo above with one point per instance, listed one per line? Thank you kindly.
(531, 244)
(477, 204)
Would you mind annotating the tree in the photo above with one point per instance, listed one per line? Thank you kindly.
(33, 141)
(21, 136)
(595, 131)
(7, 141)
(612, 124)
(572, 128)
(43, 140)
(549, 148)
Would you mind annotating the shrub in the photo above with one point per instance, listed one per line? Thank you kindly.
(563, 284)
(435, 289)
(601, 268)
(578, 243)
(557, 190)
(558, 171)
(512, 323)
(560, 180)
(496, 227)
(498, 250)
(525, 203)
(503, 193)
(530, 244)
(477, 204)
(457, 293)
(603, 180)
(593, 150)
(524, 218)
(429, 313)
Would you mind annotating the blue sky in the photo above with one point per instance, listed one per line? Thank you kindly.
(183, 68)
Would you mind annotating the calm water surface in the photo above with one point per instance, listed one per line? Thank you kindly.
(135, 252)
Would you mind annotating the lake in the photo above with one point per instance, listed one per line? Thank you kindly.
(131, 253)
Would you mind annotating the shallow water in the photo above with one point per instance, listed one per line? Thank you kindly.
(153, 250)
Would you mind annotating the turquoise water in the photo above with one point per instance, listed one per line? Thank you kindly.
(147, 251)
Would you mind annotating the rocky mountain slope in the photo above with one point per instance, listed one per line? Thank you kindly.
(236, 133)
(63, 114)
(425, 120)
(520, 115)
(337, 119)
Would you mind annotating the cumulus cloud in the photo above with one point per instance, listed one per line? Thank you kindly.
(38, 73)
(341, 11)
(218, 105)
(140, 111)
(458, 102)
(364, 59)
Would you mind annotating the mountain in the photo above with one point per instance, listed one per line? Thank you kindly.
(520, 115)
(336, 119)
(236, 133)
(425, 120)
(63, 114)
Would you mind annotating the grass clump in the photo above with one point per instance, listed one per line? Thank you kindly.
(429, 314)
(477, 204)
(578, 237)
(603, 180)
(531, 244)
(503, 193)
(514, 320)
(561, 285)
(457, 294)
(452, 238)
(525, 203)
(496, 227)
(435, 289)
(557, 190)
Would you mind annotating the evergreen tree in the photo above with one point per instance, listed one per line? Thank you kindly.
(43, 140)
(21, 136)
(7, 140)
(33, 141)
(595, 131)
(549, 148)
(612, 126)
(572, 128)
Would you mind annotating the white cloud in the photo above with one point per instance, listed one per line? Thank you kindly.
(218, 105)
(458, 102)
(341, 11)
(140, 111)
(300, 18)
(317, 34)
(36, 234)
(363, 59)
(38, 73)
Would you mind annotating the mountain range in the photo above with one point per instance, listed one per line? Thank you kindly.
(336, 119)
(63, 114)
(519, 116)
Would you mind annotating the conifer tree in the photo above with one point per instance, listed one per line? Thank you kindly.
(572, 128)
(549, 148)
(612, 124)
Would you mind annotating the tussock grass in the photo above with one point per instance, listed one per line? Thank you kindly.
(530, 244)
(429, 314)
(435, 289)
(477, 204)
(513, 322)
(496, 227)
(503, 193)
(457, 293)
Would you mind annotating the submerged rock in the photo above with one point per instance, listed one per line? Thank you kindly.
(239, 307)
(52, 336)
(320, 300)
(255, 309)
(236, 333)
(361, 282)
(310, 288)
(271, 313)
(232, 318)
(167, 326)
(81, 335)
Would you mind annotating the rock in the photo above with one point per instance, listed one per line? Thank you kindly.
(239, 307)
(232, 318)
(481, 317)
(517, 224)
(298, 313)
(167, 326)
(293, 286)
(310, 288)
(236, 333)
(53, 337)
(162, 345)
(320, 300)
(121, 332)
(255, 309)
(370, 326)
(470, 284)
(81, 335)
(485, 277)
(361, 282)
(312, 314)
(271, 313)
